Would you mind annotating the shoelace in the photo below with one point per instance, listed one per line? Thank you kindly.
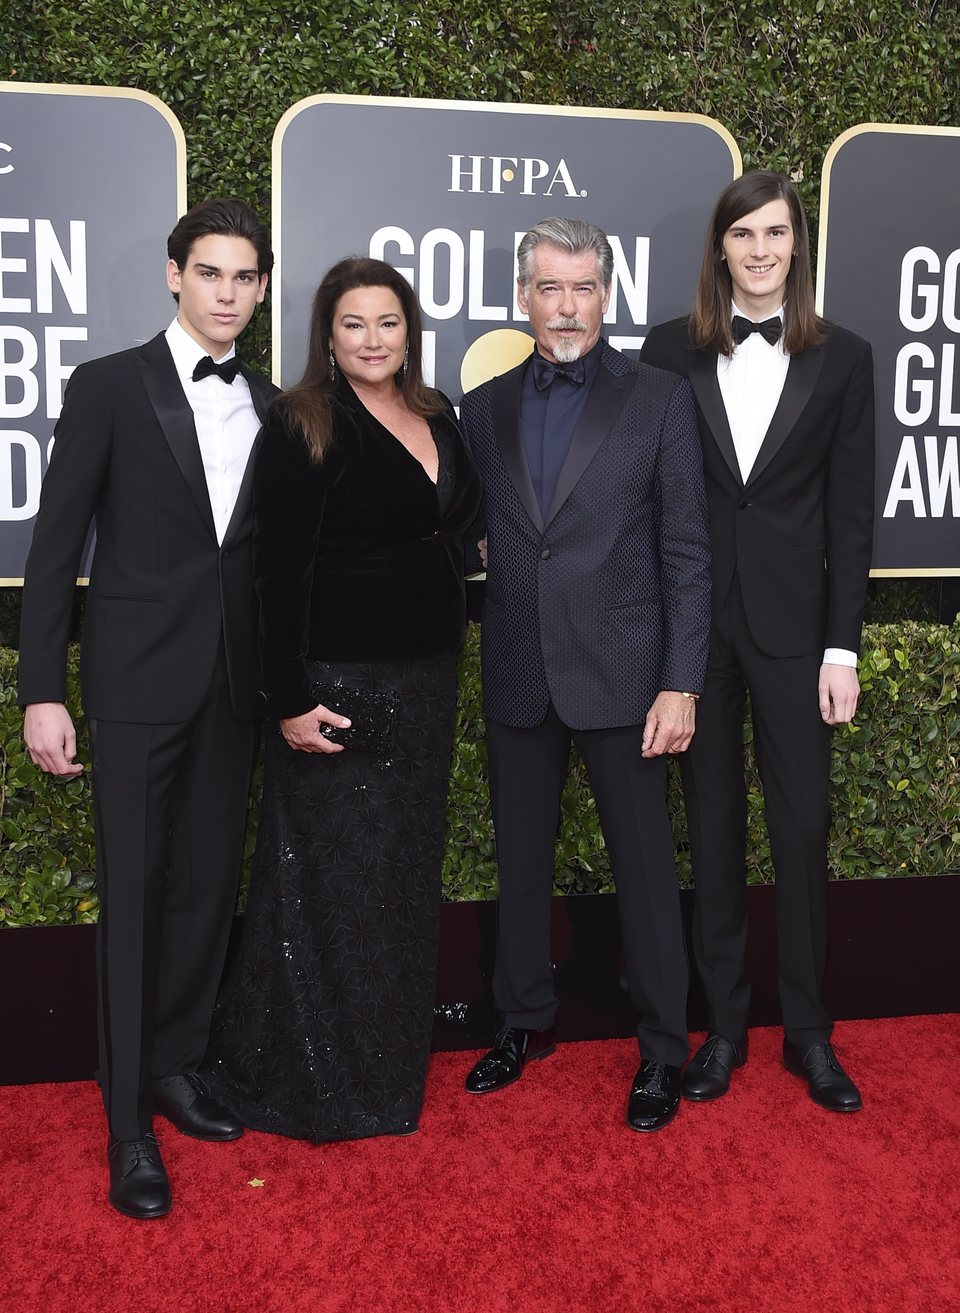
(653, 1080)
(141, 1151)
(823, 1057)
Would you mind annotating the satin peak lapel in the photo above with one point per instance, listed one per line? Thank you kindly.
(261, 394)
(241, 507)
(176, 419)
(802, 376)
(596, 419)
(706, 388)
(505, 396)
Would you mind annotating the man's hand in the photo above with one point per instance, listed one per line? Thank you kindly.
(669, 725)
(303, 733)
(482, 549)
(51, 738)
(839, 691)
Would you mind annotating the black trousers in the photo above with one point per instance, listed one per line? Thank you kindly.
(527, 771)
(793, 755)
(169, 813)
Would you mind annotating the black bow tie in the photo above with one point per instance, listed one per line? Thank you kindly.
(227, 369)
(770, 329)
(545, 371)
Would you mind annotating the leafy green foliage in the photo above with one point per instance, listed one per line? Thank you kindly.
(47, 859)
(895, 791)
(896, 782)
(895, 779)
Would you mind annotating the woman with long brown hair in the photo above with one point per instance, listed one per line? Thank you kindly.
(363, 493)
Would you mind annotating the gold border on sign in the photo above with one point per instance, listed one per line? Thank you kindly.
(120, 93)
(469, 106)
(860, 130)
(113, 93)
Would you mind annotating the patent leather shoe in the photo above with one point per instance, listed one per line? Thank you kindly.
(707, 1074)
(828, 1084)
(655, 1096)
(513, 1049)
(138, 1179)
(183, 1101)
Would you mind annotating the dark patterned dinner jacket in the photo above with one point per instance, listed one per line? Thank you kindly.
(604, 600)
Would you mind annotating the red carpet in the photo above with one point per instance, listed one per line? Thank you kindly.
(537, 1199)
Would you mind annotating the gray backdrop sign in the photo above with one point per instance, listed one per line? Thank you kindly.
(444, 191)
(92, 179)
(889, 269)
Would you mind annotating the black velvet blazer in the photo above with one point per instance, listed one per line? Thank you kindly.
(354, 559)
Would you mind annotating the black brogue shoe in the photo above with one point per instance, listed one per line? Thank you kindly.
(655, 1096)
(513, 1049)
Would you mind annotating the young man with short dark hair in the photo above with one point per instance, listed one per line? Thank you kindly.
(156, 444)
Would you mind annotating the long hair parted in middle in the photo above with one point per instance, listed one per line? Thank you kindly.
(308, 402)
(713, 305)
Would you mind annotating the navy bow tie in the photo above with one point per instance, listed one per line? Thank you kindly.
(545, 371)
(770, 329)
(227, 369)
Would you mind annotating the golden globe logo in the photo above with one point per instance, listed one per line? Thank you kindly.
(488, 175)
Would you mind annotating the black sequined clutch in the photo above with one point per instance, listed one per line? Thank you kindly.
(372, 713)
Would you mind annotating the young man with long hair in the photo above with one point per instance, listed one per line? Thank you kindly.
(785, 409)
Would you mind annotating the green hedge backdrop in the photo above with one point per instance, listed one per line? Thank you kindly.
(895, 786)
(786, 81)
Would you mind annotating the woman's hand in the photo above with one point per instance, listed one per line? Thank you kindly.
(305, 733)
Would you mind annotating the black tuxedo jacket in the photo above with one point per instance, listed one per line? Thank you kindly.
(798, 533)
(603, 601)
(162, 590)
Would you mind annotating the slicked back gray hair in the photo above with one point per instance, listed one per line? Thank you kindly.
(573, 235)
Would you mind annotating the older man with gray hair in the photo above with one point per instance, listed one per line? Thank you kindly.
(595, 629)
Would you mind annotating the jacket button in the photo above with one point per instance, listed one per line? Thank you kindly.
(743, 505)
(545, 554)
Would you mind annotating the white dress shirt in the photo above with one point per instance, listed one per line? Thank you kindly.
(225, 420)
(751, 383)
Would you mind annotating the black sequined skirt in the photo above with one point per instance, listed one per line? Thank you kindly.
(323, 1028)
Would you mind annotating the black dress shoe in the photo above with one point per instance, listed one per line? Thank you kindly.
(138, 1180)
(183, 1101)
(828, 1083)
(655, 1096)
(707, 1075)
(513, 1049)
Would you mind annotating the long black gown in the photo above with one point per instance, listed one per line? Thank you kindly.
(323, 1028)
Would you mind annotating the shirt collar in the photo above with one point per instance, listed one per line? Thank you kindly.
(186, 352)
(777, 314)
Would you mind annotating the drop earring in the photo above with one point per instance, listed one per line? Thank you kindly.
(333, 367)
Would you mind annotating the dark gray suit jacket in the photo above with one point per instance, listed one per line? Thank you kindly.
(604, 600)
(162, 589)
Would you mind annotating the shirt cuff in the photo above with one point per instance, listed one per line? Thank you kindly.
(839, 656)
